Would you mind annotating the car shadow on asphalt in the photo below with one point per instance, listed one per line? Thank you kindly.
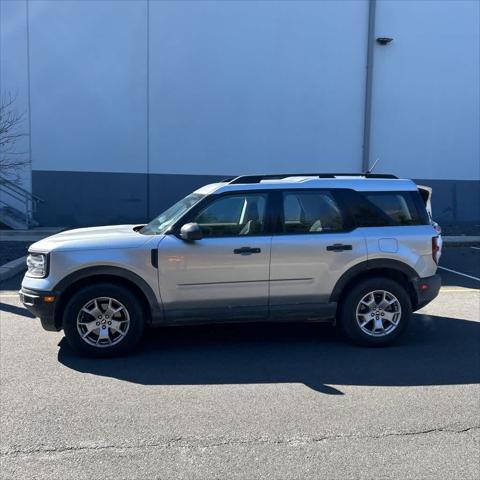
(434, 351)
(22, 311)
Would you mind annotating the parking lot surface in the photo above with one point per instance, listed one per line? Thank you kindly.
(249, 401)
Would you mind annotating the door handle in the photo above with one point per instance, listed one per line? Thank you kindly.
(246, 250)
(338, 247)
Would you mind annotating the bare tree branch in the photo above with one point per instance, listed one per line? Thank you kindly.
(12, 161)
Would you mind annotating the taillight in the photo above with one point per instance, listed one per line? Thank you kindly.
(435, 249)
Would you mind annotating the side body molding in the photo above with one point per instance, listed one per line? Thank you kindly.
(156, 308)
(367, 265)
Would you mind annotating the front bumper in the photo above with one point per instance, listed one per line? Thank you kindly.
(34, 301)
(426, 290)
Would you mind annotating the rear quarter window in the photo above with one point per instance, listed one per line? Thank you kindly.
(380, 209)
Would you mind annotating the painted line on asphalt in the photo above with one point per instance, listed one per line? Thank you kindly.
(455, 290)
(460, 273)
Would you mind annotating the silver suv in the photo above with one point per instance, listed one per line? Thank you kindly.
(355, 250)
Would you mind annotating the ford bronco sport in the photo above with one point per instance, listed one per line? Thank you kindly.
(359, 251)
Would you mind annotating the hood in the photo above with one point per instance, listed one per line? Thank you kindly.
(93, 238)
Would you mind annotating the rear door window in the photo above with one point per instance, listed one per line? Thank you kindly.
(311, 212)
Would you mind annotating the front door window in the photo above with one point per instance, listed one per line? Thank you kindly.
(234, 215)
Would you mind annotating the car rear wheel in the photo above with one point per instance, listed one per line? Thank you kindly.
(103, 320)
(375, 312)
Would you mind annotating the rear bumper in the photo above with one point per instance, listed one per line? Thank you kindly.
(33, 300)
(426, 290)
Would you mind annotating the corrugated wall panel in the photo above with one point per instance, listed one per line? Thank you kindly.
(243, 86)
(426, 89)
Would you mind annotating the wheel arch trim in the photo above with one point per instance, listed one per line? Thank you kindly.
(364, 267)
(156, 309)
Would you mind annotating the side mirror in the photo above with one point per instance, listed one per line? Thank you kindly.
(190, 232)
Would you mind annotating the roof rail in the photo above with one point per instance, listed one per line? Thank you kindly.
(259, 178)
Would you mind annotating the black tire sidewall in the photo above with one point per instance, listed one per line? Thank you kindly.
(120, 293)
(347, 317)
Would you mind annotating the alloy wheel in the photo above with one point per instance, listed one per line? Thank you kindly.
(103, 322)
(378, 313)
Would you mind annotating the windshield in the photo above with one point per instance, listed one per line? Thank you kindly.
(161, 223)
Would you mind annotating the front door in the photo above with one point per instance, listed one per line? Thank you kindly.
(225, 274)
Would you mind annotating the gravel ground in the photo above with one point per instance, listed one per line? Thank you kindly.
(11, 250)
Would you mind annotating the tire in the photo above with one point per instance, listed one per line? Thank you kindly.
(365, 310)
(108, 316)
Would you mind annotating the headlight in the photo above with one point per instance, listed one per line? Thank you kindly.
(37, 265)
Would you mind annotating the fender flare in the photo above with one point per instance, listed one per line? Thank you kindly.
(155, 306)
(367, 265)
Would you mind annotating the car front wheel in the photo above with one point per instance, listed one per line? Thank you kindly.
(103, 320)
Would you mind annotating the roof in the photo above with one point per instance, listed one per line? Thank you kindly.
(357, 182)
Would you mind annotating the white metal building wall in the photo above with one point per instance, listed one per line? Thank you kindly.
(153, 97)
(426, 91)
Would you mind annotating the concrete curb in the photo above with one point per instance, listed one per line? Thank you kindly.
(460, 239)
(32, 235)
(10, 269)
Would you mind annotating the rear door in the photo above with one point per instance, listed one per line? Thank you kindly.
(313, 246)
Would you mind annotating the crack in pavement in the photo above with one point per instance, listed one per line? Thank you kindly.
(183, 442)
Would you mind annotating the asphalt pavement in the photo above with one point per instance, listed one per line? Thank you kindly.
(249, 401)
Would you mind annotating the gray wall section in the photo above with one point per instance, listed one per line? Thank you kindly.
(165, 189)
(455, 201)
(78, 199)
(74, 199)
